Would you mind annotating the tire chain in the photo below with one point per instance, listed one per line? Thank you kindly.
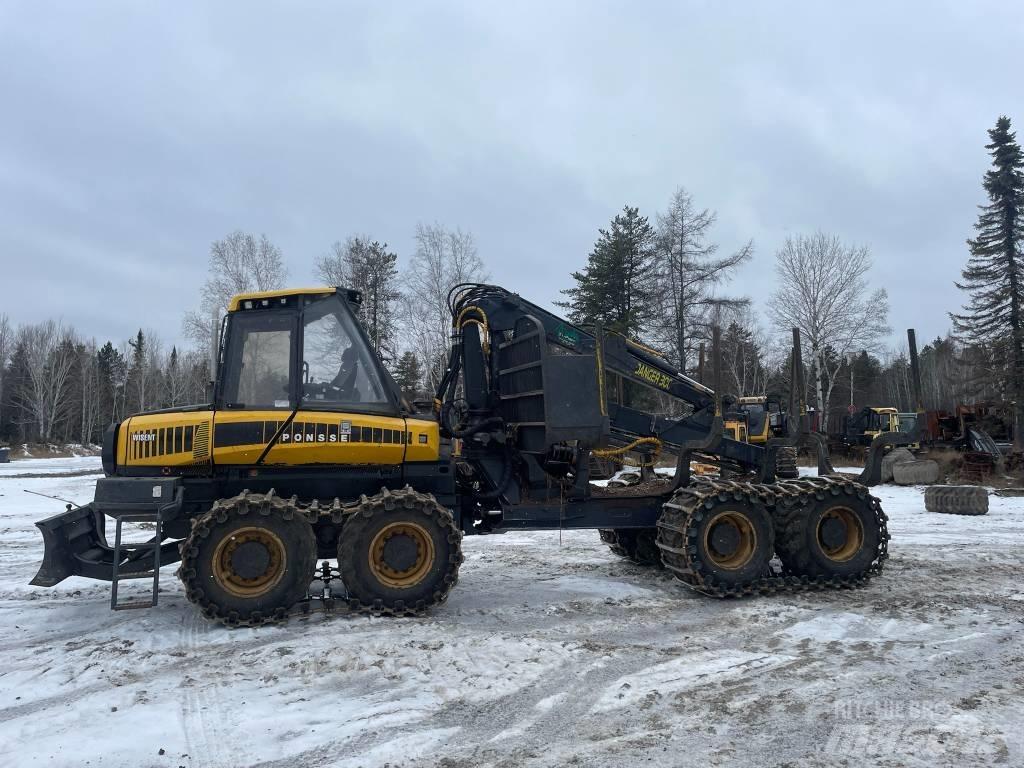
(680, 512)
(336, 513)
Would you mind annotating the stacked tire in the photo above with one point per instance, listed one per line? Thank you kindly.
(785, 464)
(956, 499)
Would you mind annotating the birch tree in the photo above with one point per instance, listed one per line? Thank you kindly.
(742, 359)
(443, 259)
(239, 263)
(6, 343)
(824, 291)
(89, 392)
(50, 357)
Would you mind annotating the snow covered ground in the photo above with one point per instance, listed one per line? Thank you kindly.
(550, 651)
(69, 465)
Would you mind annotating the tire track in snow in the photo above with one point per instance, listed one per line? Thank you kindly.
(201, 703)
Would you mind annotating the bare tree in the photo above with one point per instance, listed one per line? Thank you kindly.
(50, 358)
(444, 258)
(240, 262)
(333, 267)
(743, 342)
(89, 388)
(823, 290)
(689, 273)
(6, 342)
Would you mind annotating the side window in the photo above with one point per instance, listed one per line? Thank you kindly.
(257, 373)
(336, 365)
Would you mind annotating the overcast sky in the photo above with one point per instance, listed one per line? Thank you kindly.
(132, 135)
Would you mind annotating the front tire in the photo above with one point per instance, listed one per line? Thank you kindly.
(399, 553)
(716, 543)
(249, 559)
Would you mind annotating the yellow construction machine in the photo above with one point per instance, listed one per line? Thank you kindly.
(308, 452)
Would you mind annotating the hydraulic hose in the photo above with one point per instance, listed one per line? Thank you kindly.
(506, 476)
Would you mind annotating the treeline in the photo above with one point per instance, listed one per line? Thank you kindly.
(660, 280)
(57, 387)
(952, 373)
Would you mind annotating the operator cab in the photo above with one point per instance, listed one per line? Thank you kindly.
(306, 349)
(755, 419)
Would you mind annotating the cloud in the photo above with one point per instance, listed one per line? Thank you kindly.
(134, 136)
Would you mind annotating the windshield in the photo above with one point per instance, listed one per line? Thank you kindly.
(337, 367)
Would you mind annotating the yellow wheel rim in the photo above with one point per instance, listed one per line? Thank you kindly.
(730, 540)
(401, 554)
(840, 534)
(249, 562)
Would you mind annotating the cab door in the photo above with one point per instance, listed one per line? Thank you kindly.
(257, 390)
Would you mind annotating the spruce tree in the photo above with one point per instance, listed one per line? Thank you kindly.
(615, 287)
(409, 375)
(111, 365)
(994, 276)
(374, 271)
(137, 378)
(371, 268)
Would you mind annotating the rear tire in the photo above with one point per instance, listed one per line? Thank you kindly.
(638, 545)
(399, 553)
(248, 560)
(837, 535)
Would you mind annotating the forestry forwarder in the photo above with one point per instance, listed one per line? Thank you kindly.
(308, 452)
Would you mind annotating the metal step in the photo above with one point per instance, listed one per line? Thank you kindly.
(149, 546)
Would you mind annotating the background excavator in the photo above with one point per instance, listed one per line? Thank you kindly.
(309, 453)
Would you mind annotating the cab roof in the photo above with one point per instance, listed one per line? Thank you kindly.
(258, 297)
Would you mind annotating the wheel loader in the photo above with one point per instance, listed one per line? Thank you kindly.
(309, 456)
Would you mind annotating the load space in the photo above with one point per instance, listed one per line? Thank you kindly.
(309, 468)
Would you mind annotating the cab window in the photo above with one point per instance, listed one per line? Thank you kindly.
(337, 368)
(257, 373)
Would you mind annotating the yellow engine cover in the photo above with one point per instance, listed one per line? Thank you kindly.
(239, 438)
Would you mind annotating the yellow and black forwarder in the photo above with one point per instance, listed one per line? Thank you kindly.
(756, 419)
(308, 453)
